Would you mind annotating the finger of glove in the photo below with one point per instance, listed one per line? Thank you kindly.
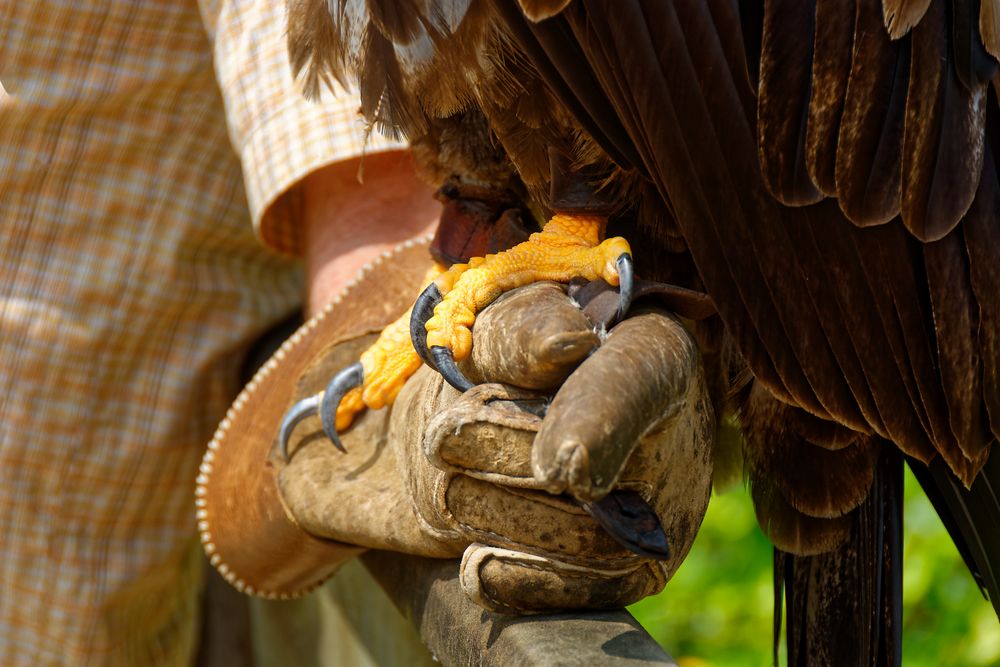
(639, 377)
(532, 338)
(487, 432)
(496, 499)
(528, 520)
(359, 497)
(513, 582)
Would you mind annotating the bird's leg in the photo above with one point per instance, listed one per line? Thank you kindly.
(569, 246)
(373, 382)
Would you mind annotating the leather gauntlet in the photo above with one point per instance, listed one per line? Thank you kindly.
(566, 414)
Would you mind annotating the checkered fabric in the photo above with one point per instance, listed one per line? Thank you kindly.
(131, 281)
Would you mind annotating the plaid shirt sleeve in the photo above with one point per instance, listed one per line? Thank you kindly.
(130, 285)
(279, 136)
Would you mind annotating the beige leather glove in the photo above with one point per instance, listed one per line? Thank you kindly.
(445, 475)
(484, 476)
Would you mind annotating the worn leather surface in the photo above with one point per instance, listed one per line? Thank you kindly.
(246, 531)
(531, 339)
(444, 474)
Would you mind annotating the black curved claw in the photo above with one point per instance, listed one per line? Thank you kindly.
(626, 283)
(446, 366)
(307, 407)
(632, 523)
(423, 310)
(344, 381)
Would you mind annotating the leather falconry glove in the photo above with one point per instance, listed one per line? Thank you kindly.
(484, 476)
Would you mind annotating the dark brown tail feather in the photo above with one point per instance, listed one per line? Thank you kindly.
(972, 517)
(844, 607)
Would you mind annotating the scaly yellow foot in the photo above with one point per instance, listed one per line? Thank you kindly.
(372, 382)
(387, 365)
(569, 246)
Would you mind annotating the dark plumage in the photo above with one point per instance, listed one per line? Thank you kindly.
(825, 170)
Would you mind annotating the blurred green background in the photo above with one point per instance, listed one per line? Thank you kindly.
(717, 610)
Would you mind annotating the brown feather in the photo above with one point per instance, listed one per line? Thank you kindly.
(791, 530)
(647, 96)
(834, 296)
(783, 100)
(902, 15)
(874, 331)
(871, 127)
(944, 139)
(844, 607)
(956, 324)
(314, 48)
(973, 65)
(539, 10)
(822, 470)
(989, 26)
(982, 243)
(888, 258)
(831, 69)
(386, 99)
(399, 21)
(463, 43)
(745, 218)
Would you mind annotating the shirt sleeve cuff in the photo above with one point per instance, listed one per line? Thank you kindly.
(296, 139)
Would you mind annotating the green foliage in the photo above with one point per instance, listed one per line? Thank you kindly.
(717, 610)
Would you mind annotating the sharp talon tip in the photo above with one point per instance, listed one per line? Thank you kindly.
(423, 310)
(446, 366)
(343, 382)
(626, 281)
(302, 409)
(632, 523)
(335, 439)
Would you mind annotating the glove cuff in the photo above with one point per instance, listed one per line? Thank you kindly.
(246, 531)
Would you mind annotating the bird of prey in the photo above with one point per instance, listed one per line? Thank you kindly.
(824, 170)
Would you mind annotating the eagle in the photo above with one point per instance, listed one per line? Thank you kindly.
(823, 170)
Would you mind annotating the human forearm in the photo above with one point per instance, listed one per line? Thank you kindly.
(348, 223)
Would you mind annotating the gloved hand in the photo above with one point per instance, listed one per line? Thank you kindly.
(484, 476)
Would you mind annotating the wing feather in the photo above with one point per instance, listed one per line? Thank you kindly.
(956, 324)
(728, 215)
(538, 10)
(989, 26)
(982, 243)
(783, 100)
(877, 335)
(892, 263)
(636, 104)
(973, 64)
(945, 135)
(831, 68)
(843, 302)
(871, 127)
(901, 15)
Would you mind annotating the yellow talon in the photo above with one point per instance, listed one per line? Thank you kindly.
(569, 246)
(387, 365)
(349, 406)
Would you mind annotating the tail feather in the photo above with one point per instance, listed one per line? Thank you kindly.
(854, 591)
(971, 516)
